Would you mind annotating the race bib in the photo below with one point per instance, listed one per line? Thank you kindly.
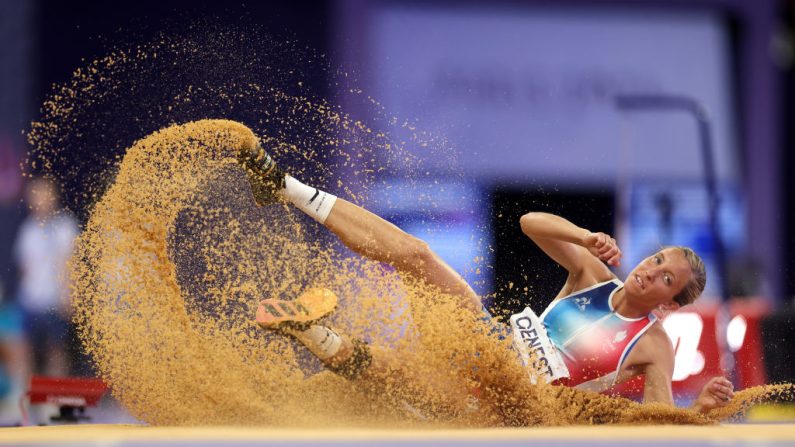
(535, 348)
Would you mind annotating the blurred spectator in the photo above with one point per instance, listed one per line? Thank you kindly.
(13, 367)
(42, 248)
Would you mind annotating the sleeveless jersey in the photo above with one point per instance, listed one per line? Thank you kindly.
(593, 339)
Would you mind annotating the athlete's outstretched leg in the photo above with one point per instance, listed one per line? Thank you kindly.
(360, 230)
(377, 239)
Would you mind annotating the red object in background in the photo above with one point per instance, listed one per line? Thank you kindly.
(74, 391)
(749, 359)
(68, 393)
(698, 356)
(707, 347)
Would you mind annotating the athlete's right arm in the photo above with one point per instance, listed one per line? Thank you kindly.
(574, 248)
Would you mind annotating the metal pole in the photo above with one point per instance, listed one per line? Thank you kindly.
(691, 106)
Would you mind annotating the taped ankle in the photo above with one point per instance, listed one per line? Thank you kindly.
(356, 364)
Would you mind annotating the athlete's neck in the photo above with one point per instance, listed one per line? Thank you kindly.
(625, 306)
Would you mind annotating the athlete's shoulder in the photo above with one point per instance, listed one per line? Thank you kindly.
(657, 335)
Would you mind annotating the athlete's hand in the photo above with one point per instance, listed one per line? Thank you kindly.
(718, 392)
(603, 247)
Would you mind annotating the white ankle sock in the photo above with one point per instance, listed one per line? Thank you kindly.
(320, 340)
(314, 202)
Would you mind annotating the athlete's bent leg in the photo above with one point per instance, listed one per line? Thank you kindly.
(376, 368)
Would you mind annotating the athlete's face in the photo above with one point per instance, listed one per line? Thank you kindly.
(658, 278)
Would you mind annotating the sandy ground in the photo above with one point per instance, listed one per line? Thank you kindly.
(98, 434)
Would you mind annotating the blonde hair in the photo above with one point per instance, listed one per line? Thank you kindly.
(698, 278)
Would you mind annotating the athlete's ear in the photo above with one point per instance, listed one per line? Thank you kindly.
(670, 306)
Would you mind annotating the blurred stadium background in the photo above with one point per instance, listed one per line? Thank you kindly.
(526, 93)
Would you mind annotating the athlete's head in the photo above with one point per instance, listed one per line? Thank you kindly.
(672, 277)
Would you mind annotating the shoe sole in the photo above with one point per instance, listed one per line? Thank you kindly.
(312, 305)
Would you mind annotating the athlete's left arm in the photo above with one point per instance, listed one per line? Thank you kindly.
(659, 354)
(659, 365)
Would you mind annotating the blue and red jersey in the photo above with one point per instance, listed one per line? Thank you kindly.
(591, 337)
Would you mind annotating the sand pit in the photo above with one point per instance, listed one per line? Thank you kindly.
(108, 435)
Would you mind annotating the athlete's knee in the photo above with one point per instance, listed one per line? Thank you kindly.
(414, 251)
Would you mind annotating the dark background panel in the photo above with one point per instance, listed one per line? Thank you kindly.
(523, 274)
(74, 32)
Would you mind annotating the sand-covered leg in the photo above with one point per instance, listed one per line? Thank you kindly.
(373, 237)
(301, 318)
